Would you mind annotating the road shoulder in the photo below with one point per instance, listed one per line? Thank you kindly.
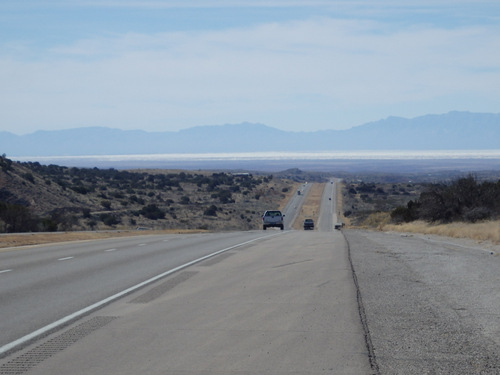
(431, 305)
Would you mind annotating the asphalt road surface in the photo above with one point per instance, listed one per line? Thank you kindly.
(283, 305)
(328, 212)
(43, 284)
(292, 209)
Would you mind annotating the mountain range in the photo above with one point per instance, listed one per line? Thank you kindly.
(450, 131)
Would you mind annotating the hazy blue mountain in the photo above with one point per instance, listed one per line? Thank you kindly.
(454, 130)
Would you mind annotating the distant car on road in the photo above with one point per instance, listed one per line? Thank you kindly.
(308, 224)
(273, 219)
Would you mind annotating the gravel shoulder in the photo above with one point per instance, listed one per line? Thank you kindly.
(432, 303)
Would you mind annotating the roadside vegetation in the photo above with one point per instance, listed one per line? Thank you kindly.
(366, 203)
(465, 200)
(51, 198)
(464, 207)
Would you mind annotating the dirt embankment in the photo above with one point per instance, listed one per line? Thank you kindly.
(28, 239)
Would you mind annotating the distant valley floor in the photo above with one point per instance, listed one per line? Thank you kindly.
(388, 163)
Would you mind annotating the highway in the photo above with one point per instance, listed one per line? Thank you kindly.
(256, 302)
(262, 302)
(328, 213)
(41, 285)
(294, 205)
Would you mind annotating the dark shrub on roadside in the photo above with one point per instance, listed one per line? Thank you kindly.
(153, 212)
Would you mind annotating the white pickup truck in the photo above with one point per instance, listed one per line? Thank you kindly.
(273, 219)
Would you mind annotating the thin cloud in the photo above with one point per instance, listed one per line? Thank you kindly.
(319, 72)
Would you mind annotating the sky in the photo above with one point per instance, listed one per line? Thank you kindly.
(162, 65)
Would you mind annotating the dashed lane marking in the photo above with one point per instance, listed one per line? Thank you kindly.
(97, 305)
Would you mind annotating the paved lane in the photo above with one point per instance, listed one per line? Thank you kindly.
(328, 213)
(292, 209)
(46, 283)
(284, 305)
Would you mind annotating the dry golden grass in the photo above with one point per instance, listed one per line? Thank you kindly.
(16, 240)
(484, 231)
(339, 188)
(377, 220)
(311, 206)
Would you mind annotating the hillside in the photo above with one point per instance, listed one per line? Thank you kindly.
(451, 131)
(34, 197)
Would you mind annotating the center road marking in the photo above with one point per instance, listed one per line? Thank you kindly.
(5, 271)
(114, 297)
(66, 258)
(110, 250)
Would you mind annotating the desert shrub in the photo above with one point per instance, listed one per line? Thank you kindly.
(462, 200)
(5, 164)
(91, 224)
(49, 225)
(80, 189)
(211, 211)
(153, 212)
(106, 204)
(402, 214)
(477, 214)
(225, 196)
(135, 199)
(109, 219)
(29, 177)
(15, 218)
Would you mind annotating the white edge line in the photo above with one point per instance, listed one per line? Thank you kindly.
(67, 258)
(105, 301)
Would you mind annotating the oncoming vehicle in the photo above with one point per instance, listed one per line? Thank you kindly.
(273, 219)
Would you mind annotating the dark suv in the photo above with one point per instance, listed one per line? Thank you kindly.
(308, 224)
